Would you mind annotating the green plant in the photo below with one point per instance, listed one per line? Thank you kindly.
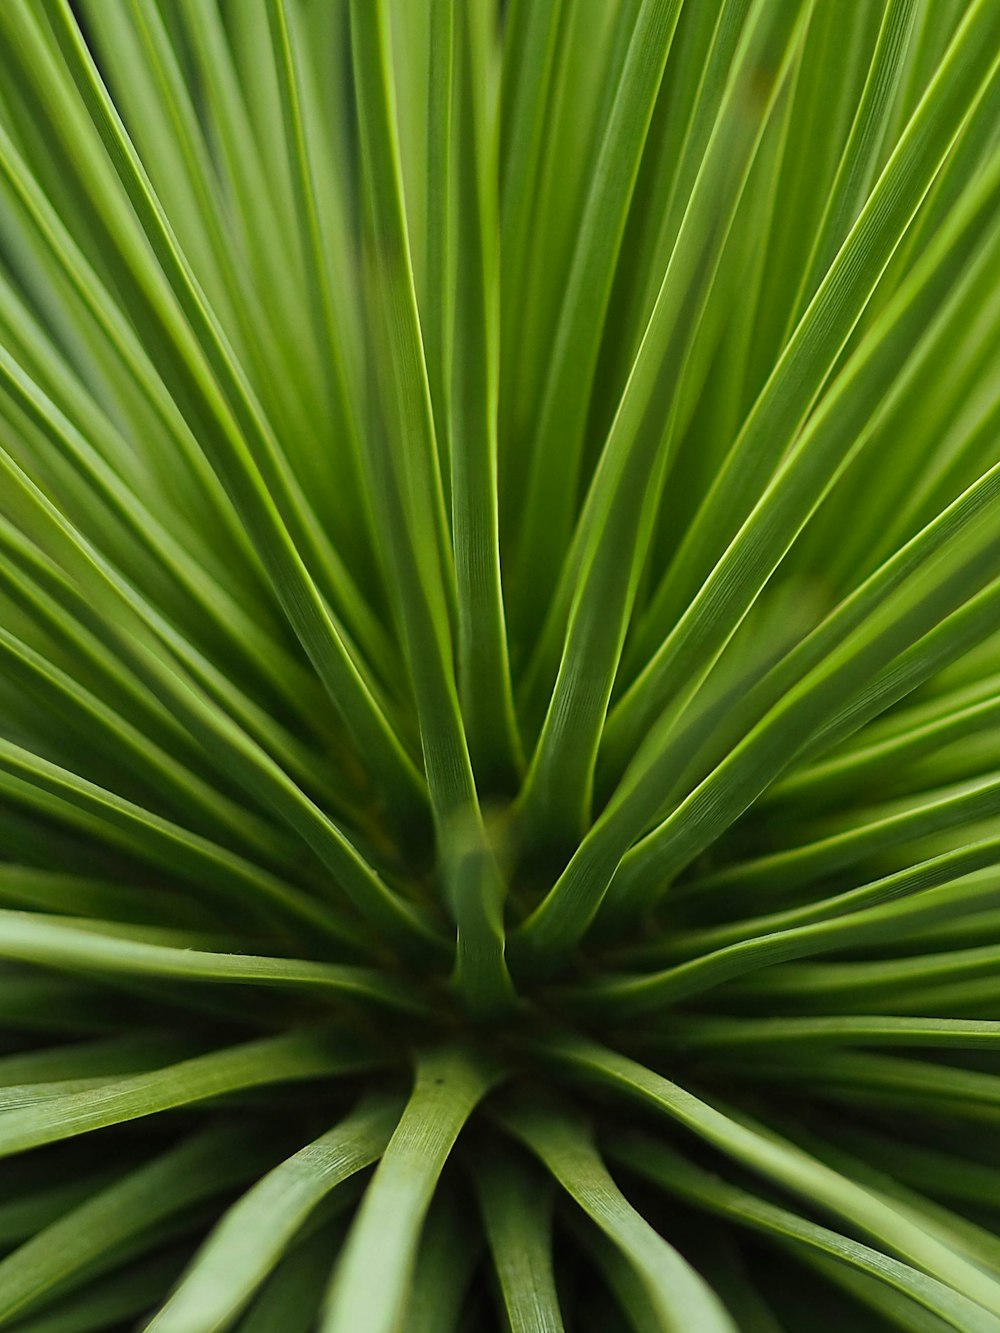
(389, 945)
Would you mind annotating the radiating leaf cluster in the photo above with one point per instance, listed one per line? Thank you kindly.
(499, 666)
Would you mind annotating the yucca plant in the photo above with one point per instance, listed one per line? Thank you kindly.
(500, 638)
